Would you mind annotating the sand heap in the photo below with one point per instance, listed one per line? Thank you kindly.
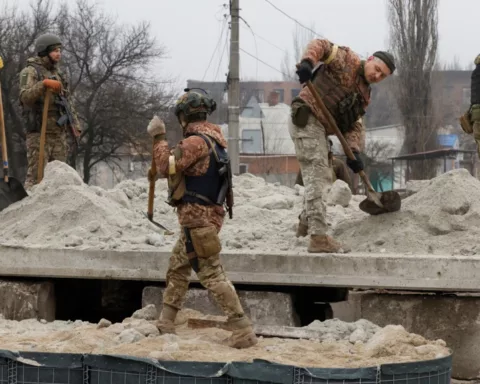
(442, 217)
(139, 337)
(62, 211)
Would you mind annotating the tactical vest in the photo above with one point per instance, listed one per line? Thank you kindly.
(32, 116)
(210, 188)
(345, 106)
(475, 86)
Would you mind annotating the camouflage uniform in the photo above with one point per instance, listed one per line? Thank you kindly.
(311, 140)
(312, 154)
(59, 144)
(192, 157)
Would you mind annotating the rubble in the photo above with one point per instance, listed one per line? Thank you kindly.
(441, 217)
(346, 346)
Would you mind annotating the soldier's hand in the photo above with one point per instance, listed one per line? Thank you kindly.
(156, 127)
(151, 176)
(357, 164)
(304, 71)
(54, 85)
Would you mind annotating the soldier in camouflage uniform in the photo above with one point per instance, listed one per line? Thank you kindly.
(42, 73)
(343, 82)
(471, 119)
(191, 168)
(339, 172)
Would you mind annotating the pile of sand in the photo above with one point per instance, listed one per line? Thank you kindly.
(442, 217)
(62, 212)
(139, 337)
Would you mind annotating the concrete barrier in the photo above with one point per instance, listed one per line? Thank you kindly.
(453, 318)
(269, 308)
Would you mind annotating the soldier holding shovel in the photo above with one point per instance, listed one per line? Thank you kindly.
(40, 78)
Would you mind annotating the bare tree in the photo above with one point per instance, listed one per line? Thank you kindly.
(453, 65)
(110, 66)
(18, 31)
(300, 38)
(414, 39)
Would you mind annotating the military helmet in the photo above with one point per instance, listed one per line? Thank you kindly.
(193, 102)
(45, 41)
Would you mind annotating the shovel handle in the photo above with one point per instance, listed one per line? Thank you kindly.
(151, 189)
(43, 133)
(333, 125)
(4, 140)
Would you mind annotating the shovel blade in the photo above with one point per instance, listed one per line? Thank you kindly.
(11, 192)
(150, 218)
(390, 200)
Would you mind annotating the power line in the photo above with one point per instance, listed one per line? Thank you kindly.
(221, 56)
(216, 47)
(269, 42)
(263, 62)
(293, 19)
(256, 46)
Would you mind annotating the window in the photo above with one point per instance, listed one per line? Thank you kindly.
(295, 92)
(242, 168)
(280, 95)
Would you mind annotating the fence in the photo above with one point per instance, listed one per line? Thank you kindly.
(52, 368)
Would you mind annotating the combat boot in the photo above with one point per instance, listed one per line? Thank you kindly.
(242, 334)
(325, 244)
(166, 322)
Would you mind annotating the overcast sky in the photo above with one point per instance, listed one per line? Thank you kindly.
(190, 31)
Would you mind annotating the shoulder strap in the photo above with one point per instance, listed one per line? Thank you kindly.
(210, 145)
(332, 54)
(36, 66)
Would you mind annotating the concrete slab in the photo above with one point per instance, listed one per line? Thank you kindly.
(270, 308)
(361, 270)
(24, 300)
(451, 318)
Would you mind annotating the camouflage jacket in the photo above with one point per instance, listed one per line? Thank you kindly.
(32, 92)
(345, 68)
(192, 158)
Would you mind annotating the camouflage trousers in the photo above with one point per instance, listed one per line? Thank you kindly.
(476, 135)
(311, 148)
(56, 148)
(211, 276)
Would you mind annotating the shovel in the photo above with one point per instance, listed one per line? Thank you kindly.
(375, 203)
(11, 190)
(43, 133)
(151, 194)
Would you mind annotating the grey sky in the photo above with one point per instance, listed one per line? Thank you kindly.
(190, 30)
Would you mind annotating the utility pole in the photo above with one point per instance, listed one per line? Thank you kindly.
(234, 89)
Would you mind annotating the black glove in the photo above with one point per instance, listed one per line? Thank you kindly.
(357, 164)
(304, 71)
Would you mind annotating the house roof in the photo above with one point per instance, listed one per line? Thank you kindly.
(447, 140)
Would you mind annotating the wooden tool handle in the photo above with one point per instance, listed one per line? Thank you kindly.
(333, 125)
(4, 140)
(151, 189)
(43, 132)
